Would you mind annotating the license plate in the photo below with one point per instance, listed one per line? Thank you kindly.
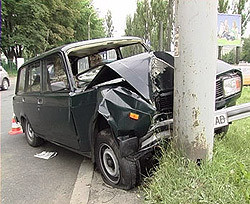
(220, 120)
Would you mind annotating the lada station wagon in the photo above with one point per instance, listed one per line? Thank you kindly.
(106, 99)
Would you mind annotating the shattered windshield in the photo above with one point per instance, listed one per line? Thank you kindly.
(85, 66)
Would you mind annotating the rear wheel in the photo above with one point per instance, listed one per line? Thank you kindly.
(31, 137)
(5, 84)
(116, 170)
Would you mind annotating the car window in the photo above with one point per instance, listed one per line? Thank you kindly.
(34, 78)
(55, 75)
(21, 81)
(131, 50)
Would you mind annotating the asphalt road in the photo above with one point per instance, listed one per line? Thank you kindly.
(26, 179)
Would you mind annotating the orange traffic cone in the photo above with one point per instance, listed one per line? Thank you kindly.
(16, 127)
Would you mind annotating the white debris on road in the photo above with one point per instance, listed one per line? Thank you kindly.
(45, 155)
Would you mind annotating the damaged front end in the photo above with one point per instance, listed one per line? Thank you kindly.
(139, 114)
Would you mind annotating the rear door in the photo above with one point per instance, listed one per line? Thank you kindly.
(55, 103)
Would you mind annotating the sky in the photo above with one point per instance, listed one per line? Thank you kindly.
(119, 9)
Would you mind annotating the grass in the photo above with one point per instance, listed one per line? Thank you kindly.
(226, 179)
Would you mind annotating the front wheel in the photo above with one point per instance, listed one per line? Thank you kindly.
(115, 170)
(31, 137)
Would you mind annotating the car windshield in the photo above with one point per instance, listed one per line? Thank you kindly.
(86, 67)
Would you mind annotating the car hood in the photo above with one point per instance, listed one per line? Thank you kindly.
(136, 70)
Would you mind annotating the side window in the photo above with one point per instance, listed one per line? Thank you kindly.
(56, 78)
(34, 78)
(21, 81)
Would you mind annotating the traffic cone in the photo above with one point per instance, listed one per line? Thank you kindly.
(16, 127)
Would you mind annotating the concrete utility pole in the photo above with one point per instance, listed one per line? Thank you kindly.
(195, 72)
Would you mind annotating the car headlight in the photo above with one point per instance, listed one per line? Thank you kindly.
(231, 86)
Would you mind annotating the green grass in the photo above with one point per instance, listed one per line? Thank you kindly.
(226, 179)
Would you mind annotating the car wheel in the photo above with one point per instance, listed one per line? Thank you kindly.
(5, 84)
(222, 131)
(115, 170)
(31, 137)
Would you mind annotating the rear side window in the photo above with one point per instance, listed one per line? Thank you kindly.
(34, 78)
(21, 80)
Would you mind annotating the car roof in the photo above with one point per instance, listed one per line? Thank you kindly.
(101, 43)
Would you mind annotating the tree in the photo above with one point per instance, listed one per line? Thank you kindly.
(230, 57)
(245, 55)
(147, 20)
(223, 6)
(22, 27)
(109, 24)
(30, 27)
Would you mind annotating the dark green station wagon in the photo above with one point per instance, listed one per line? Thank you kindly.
(108, 99)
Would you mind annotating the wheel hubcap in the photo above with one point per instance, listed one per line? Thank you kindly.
(5, 84)
(109, 163)
(30, 132)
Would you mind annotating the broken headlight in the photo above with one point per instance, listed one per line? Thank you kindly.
(231, 85)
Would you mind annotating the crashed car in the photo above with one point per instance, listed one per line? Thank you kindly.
(106, 99)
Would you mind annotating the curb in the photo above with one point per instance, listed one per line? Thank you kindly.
(82, 186)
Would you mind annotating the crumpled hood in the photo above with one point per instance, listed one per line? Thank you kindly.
(135, 70)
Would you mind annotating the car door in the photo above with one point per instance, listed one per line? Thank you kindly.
(31, 95)
(55, 103)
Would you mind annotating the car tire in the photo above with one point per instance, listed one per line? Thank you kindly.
(5, 84)
(222, 131)
(31, 137)
(116, 171)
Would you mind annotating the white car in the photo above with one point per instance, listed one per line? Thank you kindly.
(4, 79)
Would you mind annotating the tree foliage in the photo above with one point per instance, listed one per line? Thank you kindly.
(145, 23)
(30, 27)
(223, 6)
(109, 24)
(245, 55)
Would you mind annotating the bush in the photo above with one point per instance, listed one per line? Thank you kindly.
(10, 68)
(230, 57)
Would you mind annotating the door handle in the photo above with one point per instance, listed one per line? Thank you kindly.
(23, 99)
(39, 101)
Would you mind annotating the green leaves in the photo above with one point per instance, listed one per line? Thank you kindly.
(146, 22)
(30, 27)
